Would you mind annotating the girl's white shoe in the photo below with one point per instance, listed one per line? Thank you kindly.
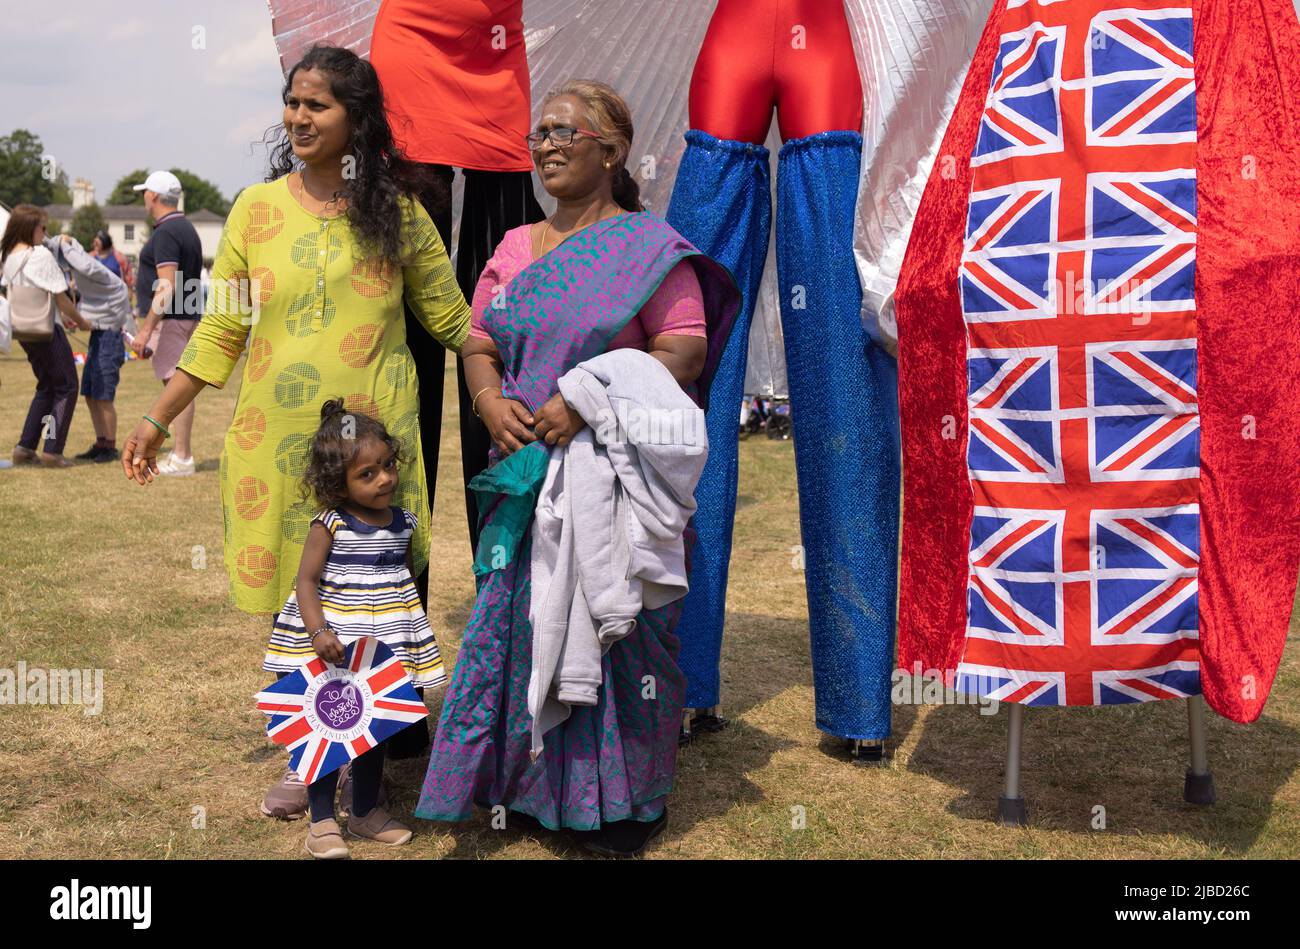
(174, 467)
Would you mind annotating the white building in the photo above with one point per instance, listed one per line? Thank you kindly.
(4, 218)
(128, 224)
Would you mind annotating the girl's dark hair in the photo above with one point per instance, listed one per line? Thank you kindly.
(382, 174)
(21, 229)
(105, 239)
(333, 449)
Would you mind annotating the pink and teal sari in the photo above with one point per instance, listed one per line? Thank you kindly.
(615, 760)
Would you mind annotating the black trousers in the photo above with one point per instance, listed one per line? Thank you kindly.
(56, 394)
(495, 202)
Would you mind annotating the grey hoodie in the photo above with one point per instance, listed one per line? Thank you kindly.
(608, 531)
(105, 301)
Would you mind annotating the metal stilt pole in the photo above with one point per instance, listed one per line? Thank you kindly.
(1011, 805)
(1198, 787)
(685, 735)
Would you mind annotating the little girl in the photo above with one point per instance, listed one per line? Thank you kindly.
(354, 580)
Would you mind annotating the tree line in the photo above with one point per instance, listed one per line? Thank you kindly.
(27, 176)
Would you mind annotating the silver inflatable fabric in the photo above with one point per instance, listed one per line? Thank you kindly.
(912, 55)
(598, 39)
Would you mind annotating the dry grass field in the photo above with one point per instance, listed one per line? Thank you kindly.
(98, 573)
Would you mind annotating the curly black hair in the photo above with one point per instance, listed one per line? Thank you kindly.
(383, 175)
(333, 449)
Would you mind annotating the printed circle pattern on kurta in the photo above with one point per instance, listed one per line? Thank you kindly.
(252, 497)
(306, 250)
(248, 428)
(231, 342)
(259, 358)
(406, 427)
(261, 285)
(361, 345)
(255, 565)
(434, 282)
(358, 403)
(291, 454)
(372, 278)
(297, 521)
(296, 385)
(306, 316)
(265, 222)
(396, 367)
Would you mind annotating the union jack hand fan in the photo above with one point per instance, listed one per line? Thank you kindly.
(326, 715)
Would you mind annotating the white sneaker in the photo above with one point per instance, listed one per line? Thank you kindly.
(174, 467)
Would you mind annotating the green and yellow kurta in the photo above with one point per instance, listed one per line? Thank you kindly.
(319, 319)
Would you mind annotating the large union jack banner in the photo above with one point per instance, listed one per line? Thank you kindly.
(326, 715)
(1076, 285)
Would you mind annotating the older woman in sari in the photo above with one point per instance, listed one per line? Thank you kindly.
(599, 274)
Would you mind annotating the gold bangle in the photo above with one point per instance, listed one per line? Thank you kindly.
(473, 405)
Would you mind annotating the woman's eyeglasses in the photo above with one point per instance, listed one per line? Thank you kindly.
(561, 136)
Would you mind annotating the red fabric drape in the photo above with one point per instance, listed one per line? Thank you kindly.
(1247, 61)
(1248, 342)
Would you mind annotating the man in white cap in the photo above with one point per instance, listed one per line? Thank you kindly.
(169, 297)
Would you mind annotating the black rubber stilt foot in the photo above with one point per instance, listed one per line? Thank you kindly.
(707, 723)
(1011, 812)
(700, 721)
(866, 751)
(1199, 789)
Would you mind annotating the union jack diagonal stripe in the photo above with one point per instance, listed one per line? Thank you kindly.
(1144, 575)
(1145, 425)
(1022, 112)
(1144, 88)
(1014, 431)
(326, 715)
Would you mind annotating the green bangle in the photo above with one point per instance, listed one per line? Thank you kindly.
(159, 425)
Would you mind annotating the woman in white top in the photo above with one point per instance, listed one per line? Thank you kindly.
(25, 261)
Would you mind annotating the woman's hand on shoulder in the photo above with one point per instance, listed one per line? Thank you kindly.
(557, 422)
(508, 422)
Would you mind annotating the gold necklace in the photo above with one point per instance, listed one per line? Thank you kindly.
(302, 191)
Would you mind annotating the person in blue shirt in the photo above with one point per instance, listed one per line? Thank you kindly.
(102, 248)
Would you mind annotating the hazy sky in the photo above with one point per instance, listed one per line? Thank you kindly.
(110, 87)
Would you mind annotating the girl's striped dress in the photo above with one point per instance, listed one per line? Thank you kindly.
(365, 590)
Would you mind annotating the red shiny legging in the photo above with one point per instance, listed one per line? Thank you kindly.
(795, 56)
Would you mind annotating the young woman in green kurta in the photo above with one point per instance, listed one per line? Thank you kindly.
(328, 324)
(309, 283)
